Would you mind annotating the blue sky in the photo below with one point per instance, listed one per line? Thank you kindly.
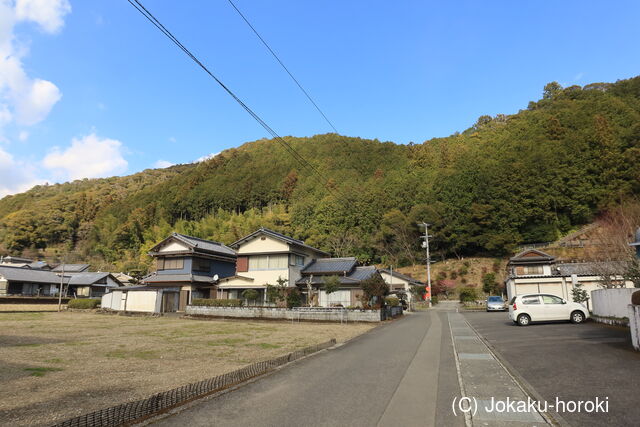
(91, 89)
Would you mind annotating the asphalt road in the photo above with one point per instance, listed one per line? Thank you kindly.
(402, 373)
(570, 362)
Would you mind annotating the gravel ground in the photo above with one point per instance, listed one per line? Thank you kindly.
(57, 365)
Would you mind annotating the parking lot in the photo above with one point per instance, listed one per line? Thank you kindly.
(569, 362)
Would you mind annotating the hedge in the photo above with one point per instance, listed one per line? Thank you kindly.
(206, 302)
(85, 303)
(392, 301)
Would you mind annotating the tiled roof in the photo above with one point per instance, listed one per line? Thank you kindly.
(589, 268)
(278, 236)
(174, 278)
(205, 245)
(87, 278)
(330, 265)
(353, 278)
(20, 274)
(71, 268)
(535, 259)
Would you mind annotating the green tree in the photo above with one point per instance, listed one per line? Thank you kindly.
(250, 295)
(489, 284)
(330, 285)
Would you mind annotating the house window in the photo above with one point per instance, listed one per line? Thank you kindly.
(268, 262)
(533, 270)
(170, 264)
(200, 264)
(297, 260)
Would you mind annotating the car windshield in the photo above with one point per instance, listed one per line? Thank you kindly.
(495, 299)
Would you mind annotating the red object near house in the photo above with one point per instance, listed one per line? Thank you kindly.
(427, 294)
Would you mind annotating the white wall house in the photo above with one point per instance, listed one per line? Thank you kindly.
(533, 271)
(264, 256)
(400, 282)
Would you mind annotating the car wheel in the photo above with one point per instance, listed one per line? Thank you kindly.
(577, 317)
(524, 319)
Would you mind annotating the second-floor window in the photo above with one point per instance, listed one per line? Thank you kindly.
(201, 264)
(268, 262)
(170, 263)
(533, 269)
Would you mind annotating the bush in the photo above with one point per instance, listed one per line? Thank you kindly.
(392, 301)
(250, 294)
(207, 302)
(434, 299)
(83, 303)
(294, 298)
(468, 294)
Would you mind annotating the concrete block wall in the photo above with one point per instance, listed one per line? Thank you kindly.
(634, 325)
(285, 314)
(611, 303)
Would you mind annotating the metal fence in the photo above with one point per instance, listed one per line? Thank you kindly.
(131, 412)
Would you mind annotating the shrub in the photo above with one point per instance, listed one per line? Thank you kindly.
(207, 302)
(468, 294)
(294, 298)
(83, 303)
(434, 299)
(250, 294)
(635, 298)
(392, 301)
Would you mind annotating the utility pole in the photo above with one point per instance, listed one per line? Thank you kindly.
(61, 286)
(425, 245)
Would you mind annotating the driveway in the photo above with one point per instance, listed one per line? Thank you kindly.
(570, 362)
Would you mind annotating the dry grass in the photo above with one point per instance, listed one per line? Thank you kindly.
(57, 365)
(29, 307)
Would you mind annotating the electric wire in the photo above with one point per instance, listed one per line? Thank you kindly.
(304, 162)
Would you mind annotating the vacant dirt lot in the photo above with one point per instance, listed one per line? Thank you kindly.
(57, 365)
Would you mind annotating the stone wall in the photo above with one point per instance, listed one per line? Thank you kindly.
(285, 314)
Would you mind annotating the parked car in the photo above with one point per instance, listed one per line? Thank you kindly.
(495, 303)
(524, 309)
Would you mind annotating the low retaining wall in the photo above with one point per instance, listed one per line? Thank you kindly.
(133, 412)
(634, 325)
(285, 314)
(610, 305)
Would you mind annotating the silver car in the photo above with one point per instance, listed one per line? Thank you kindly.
(496, 303)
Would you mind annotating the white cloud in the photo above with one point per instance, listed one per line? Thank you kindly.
(161, 164)
(87, 157)
(23, 99)
(23, 135)
(48, 13)
(206, 157)
(15, 176)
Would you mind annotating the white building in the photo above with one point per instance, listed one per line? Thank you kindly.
(400, 283)
(533, 271)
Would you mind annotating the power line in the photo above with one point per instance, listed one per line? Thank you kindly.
(283, 66)
(140, 8)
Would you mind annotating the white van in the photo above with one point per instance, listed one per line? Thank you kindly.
(524, 309)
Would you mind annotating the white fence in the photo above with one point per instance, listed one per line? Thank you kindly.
(610, 305)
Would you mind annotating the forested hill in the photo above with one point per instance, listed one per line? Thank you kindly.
(527, 177)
